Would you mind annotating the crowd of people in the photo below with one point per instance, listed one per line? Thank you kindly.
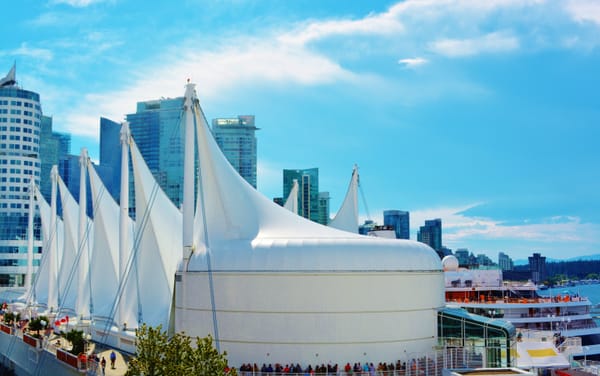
(356, 369)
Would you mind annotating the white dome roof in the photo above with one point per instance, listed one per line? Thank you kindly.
(450, 263)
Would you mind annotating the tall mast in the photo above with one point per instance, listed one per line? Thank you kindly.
(124, 215)
(53, 236)
(29, 272)
(188, 172)
(83, 266)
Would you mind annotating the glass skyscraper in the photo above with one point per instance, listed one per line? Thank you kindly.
(158, 130)
(109, 169)
(311, 204)
(54, 147)
(237, 140)
(505, 262)
(20, 126)
(399, 220)
(323, 208)
(431, 234)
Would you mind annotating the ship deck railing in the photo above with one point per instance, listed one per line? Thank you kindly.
(497, 300)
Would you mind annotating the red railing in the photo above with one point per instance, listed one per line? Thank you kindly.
(30, 340)
(6, 329)
(67, 357)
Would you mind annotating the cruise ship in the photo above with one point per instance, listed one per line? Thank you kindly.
(562, 315)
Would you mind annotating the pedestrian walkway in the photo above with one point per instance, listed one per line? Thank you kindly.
(120, 364)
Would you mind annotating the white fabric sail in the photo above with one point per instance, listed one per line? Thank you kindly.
(291, 203)
(157, 246)
(67, 271)
(43, 274)
(347, 217)
(104, 261)
(253, 233)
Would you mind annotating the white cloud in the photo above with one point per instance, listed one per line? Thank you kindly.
(460, 229)
(78, 3)
(489, 43)
(241, 63)
(584, 10)
(36, 53)
(373, 24)
(413, 62)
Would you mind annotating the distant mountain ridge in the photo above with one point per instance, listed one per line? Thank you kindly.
(577, 258)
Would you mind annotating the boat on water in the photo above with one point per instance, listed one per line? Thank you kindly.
(563, 314)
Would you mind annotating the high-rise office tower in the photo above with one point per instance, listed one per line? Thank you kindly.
(158, 131)
(431, 234)
(237, 140)
(54, 148)
(20, 126)
(308, 192)
(463, 256)
(323, 208)
(399, 220)
(484, 260)
(109, 169)
(505, 262)
(537, 267)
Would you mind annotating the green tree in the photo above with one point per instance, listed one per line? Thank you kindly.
(10, 317)
(76, 339)
(149, 354)
(206, 360)
(156, 354)
(38, 323)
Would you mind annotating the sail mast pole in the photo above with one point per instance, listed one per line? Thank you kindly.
(123, 216)
(53, 236)
(188, 173)
(82, 304)
(29, 272)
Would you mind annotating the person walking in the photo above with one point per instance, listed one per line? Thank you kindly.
(113, 358)
(103, 365)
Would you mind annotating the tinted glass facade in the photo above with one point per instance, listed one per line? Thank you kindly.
(237, 140)
(399, 220)
(493, 341)
(54, 147)
(431, 234)
(110, 156)
(158, 130)
(308, 191)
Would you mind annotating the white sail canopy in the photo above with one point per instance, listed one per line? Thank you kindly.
(246, 231)
(347, 217)
(43, 273)
(157, 247)
(103, 263)
(291, 203)
(67, 270)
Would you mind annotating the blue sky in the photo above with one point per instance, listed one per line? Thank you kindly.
(483, 113)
